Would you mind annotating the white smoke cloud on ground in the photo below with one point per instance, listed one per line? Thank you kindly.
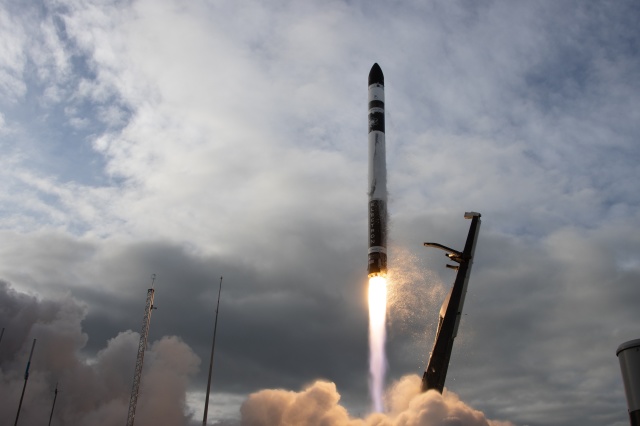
(92, 391)
(319, 405)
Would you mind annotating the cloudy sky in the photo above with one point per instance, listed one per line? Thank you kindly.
(210, 138)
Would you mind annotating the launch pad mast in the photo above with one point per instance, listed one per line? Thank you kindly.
(451, 310)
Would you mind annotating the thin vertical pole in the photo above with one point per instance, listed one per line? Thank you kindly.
(26, 377)
(55, 395)
(213, 347)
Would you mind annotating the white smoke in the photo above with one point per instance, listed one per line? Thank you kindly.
(318, 405)
(96, 391)
(92, 391)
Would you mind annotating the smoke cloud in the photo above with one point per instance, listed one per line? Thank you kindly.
(318, 405)
(95, 390)
(92, 391)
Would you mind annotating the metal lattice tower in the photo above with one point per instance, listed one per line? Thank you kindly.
(142, 346)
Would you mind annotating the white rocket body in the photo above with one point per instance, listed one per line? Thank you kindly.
(377, 192)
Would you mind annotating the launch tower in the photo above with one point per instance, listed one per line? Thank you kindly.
(142, 346)
(451, 310)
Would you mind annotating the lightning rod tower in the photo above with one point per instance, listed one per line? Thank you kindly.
(142, 346)
(213, 347)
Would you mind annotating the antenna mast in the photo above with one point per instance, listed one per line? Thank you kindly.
(55, 396)
(26, 379)
(142, 346)
(213, 347)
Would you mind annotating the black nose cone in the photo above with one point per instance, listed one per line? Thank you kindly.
(375, 75)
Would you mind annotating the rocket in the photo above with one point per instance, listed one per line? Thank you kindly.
(377, 192)
(451, 310)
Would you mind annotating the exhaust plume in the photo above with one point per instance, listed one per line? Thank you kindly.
(318, 405)
(377, 337)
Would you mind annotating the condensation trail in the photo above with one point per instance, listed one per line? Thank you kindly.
(377, 337)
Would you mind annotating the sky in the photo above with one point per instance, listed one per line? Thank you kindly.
(200, 139)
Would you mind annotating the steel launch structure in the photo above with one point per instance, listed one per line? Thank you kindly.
(142, 346)
(451, 310)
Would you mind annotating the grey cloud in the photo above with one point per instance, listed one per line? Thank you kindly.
(316, 312)
(92, 391)
(234, 145)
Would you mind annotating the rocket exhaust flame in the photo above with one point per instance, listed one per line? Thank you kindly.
(377, 253)
(377, 337)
